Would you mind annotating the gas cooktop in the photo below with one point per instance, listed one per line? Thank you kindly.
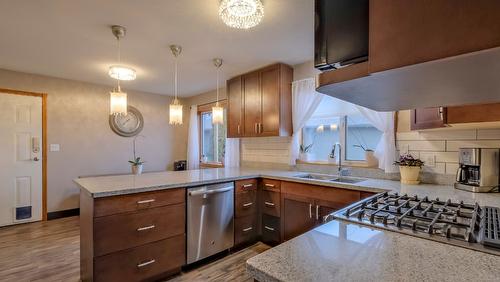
(457, 223)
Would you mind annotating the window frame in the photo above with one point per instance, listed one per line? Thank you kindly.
(206, 108)
(342, 141)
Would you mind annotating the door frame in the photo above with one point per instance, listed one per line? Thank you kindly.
(44, 141)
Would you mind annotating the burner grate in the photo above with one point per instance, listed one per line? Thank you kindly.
(490, 230)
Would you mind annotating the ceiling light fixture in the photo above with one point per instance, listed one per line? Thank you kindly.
(242, 14)
(175, 107)
(117, 98)
(217, 110)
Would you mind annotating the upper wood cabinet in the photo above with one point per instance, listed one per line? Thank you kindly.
(405, 33)
(260, 103)
(235, 107)
(437, 117)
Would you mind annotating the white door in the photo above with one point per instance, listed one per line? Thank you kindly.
(20, 158)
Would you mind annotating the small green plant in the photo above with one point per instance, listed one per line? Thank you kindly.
(409, 160)
(306, 149)
(137, 161)
(363, 147)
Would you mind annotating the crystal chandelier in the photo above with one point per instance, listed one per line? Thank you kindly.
(241, 13)
(117, 98)
(175, 107)
(217, 110)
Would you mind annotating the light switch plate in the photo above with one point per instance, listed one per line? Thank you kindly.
(54, 147)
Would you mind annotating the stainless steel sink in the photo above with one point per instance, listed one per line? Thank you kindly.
(332, 178)
(347, 180)
(316, 176)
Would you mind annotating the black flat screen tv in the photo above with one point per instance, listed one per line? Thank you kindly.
(341, 33)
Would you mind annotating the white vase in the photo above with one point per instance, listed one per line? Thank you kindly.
(137, 169)
(410, 174)
(370, 158)
(305, 157)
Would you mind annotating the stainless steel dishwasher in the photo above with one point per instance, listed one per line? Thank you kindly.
(210, 220)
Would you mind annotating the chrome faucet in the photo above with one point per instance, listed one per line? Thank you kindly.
(341, 171)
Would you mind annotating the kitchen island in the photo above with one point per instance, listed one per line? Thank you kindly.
(134, 216)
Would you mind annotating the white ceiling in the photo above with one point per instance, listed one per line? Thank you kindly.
(72, 39)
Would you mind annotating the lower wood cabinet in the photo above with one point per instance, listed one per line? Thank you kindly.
(305, 206)
(138, 237)
(271, 229)
(246, 226)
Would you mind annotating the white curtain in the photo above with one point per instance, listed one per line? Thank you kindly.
(386, 148)
(305, 100)
(232, 154)
(193, 149)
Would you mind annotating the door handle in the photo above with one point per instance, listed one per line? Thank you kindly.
(317, 212)
(146, 263)
(247, 204)
(268, 228)
(256, 126)
(239, 131)
(269, 204)
(207, 192)
(145, 228)
(146, 201)
(247, 229)
(269, 185)
(36, 159)
(310, 210)
(261, 128)
(247, 185)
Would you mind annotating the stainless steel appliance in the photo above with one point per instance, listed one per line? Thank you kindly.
(466, 225)
(210, 223)
(478, 169)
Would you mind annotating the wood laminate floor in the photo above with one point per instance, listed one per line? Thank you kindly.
(50, 251)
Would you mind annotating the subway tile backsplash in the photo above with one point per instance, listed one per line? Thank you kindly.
(438, 148)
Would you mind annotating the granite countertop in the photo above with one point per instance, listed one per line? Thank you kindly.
(104, 186)
(342, 251)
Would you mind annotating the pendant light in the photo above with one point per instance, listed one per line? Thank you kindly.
(175, 107)
(118, 99)
(217, 110)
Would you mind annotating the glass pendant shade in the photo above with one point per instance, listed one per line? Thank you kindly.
(217, 114)
(175, 113)
(242, 14)
(122, 72)
(118, 103)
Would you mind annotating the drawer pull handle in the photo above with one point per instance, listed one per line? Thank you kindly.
(247, 204)
(146, 263)
(269, 204)
(247, 185)
(247, 229)
(269, 185)
(145, 228)
(146, 201)
(268, 228)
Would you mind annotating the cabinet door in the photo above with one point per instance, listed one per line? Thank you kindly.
(235, 108)
(252, 103)
(270, 83)
(298, 215)
(425, 118)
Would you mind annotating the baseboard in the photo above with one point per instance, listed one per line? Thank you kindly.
(63, 213)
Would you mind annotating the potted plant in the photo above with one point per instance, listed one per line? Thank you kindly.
(409, 167)
(370, 158)
(305, 153)
(136, 165)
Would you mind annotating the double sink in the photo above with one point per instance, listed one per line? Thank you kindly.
(332, 178)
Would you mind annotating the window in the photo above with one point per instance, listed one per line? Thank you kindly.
(212, 137)
(336, 121)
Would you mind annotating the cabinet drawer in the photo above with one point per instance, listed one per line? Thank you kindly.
(270, 229)
(270, 203)
(122, 231)
(245, 229)
(245, 185)
(245, 203)
(144, 263)
(271, 185)
(134, 202)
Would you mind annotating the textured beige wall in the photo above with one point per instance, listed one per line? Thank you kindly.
(77, 115)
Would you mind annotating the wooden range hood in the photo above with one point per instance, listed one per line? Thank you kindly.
(424, 54)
